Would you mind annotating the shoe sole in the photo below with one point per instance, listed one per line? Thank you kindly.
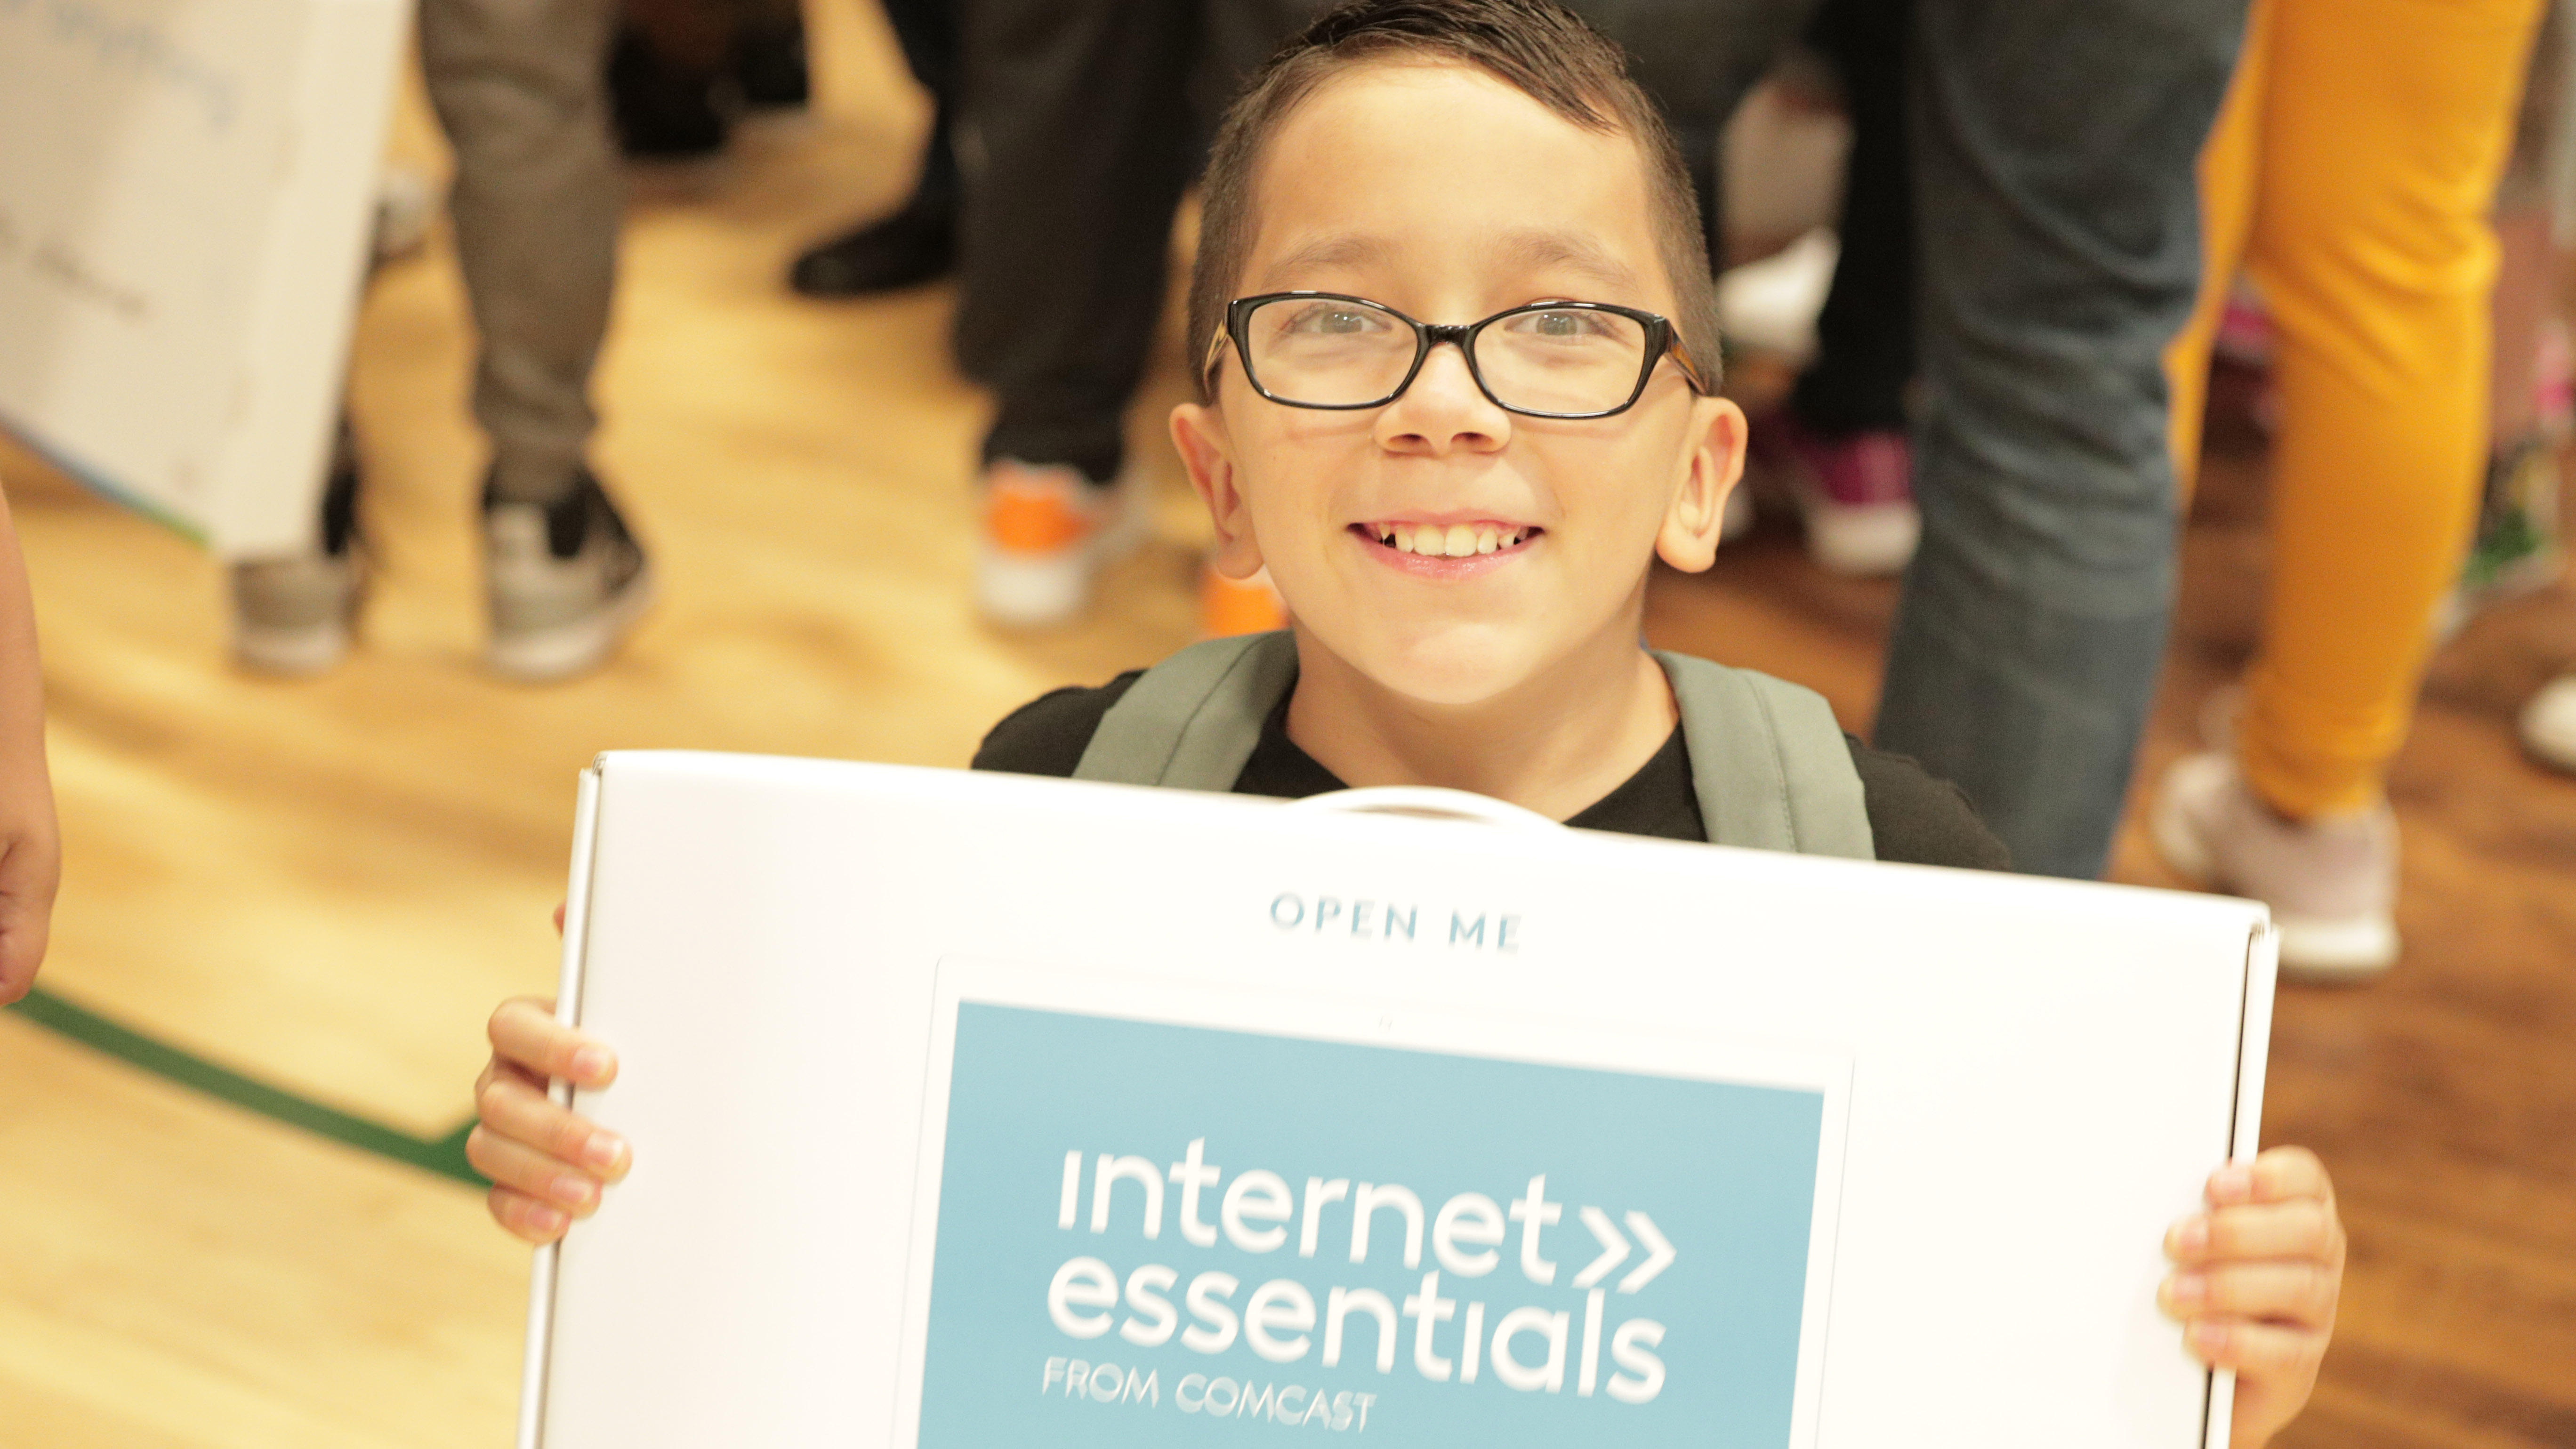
(291, 652)
(539, 656)
(2329, 953)
(1019, 592)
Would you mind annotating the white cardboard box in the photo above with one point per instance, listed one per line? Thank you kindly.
(185, 191)
(1710, 1147)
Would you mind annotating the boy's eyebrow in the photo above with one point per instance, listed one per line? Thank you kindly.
(1539, 248)
(1529, 249)
(1330, 253)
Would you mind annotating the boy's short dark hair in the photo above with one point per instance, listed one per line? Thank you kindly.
(1539, 48)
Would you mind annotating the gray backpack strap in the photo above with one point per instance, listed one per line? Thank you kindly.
(1191, 722)
(1770, 765)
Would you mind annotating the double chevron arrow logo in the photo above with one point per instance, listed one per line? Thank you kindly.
(1615, 1249)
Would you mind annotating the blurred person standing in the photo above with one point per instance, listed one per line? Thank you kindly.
(2520, 542)
(1080, 141)
(2051, 147)
(1839, 440)
(2351, 173)
(917, 241)
(519, 88)
(2517, 549)
(2056, 216)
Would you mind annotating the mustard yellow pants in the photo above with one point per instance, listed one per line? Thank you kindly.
(2349, 176)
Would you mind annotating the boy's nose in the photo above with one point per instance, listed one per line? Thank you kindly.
(1443, 411)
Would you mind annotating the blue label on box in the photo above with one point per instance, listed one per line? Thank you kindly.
(1154, 1234)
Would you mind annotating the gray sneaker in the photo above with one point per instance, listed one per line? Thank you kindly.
(296, 614)
(565, 580)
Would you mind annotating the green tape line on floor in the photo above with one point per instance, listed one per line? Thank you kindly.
(445, 1156)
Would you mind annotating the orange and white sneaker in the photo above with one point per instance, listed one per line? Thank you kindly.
(1228, 607)
(1046, 533)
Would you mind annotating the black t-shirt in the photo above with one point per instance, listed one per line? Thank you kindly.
(1913, 817)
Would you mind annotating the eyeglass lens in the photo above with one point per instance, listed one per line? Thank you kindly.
(1332, 353)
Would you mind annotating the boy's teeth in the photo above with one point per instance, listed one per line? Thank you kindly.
(1457, 540)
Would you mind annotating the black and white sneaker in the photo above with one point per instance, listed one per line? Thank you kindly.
(565, 581)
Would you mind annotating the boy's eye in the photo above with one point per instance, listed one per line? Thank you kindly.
(1328, 320)
(1571, 323)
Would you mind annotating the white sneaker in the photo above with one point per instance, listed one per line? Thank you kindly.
(1046, 534)
(2331, 884)
(2549, 723)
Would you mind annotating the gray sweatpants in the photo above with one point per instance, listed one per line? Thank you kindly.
(518, 85)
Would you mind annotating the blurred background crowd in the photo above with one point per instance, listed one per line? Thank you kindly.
(1986, 366)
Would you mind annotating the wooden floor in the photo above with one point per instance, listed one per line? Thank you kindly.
(326, 884)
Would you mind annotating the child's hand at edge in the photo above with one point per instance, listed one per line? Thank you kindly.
(2255, 1281)
(31, 854)
(548, 1165)
(31, 863)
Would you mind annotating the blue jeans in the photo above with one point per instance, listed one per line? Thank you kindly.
(2054, 143)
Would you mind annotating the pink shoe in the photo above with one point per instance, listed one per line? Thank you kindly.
(1857, 493)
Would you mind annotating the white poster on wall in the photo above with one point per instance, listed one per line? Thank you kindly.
(973, 1110)
(185, 192)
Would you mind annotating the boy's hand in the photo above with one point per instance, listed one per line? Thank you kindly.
(31, 867)
(2255, 1280)
(547, 1165)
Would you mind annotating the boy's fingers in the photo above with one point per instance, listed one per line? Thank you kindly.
(2258, 1350)
(526, 1217)
(2304, 1229)
(22, 947)
(524, 1114)
(2279, 1175)
(551, 1180)
(2301, 1293)
(525, 1031)
(496, 1070)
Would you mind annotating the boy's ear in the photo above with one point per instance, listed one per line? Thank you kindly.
(1199, 435)
(1711, 469)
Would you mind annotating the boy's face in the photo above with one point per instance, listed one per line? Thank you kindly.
(1450, 196)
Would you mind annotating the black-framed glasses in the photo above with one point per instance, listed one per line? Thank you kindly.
(1546, 360)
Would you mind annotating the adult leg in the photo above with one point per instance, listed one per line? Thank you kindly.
(517, 84)
(918, 241)
(1840, 443)
(2053, 144)
(2386, 125)
(1865, 336)
(1078, 110)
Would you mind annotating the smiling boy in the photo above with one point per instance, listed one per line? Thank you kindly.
(1454, 311)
